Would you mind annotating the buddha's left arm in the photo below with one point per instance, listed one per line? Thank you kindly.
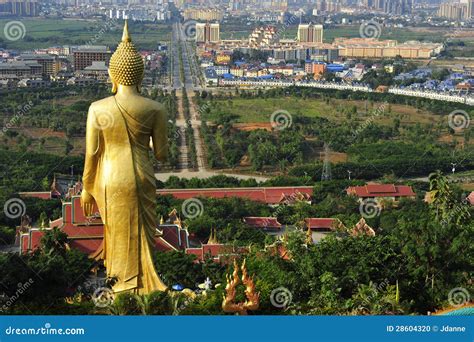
(160, 136)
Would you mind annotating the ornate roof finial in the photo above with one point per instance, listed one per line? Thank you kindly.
(53, 184)
(125, 36)
(252, 301)
(213, 237)
(309, 236)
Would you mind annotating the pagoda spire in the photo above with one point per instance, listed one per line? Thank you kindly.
(54, 184)
(309, 236)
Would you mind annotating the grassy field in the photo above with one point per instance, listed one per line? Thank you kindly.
(40, 33)
(260, 110)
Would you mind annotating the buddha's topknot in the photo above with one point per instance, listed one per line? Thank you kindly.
(126, 65)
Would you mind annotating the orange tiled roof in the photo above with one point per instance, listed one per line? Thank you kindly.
(381, 190)
(269, 195)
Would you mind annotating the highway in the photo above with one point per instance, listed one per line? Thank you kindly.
(189, 74)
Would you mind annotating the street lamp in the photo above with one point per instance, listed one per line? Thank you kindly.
(453, 167)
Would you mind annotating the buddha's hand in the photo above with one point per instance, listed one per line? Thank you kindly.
(87, 203)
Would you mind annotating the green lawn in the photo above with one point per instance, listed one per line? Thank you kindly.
(40, 33)
(260, 110)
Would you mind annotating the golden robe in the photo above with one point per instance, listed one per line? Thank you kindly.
(118, 173)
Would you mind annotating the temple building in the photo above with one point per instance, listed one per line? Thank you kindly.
(269, 225)
(470, 198)
(272, 196)
(318, 228)
(86, 234)
(381, 191)
(218, 252)
(362, 228)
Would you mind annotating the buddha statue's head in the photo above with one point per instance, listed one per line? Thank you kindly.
(126, 65)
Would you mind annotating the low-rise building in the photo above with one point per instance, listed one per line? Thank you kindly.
(21, 69)
(81, 81)
(375, 48)
(86, 233)
(315, 68)
(319, 228)
(237, 71)
(211, 76)
(269, 225)
(221, 69)
(50, 64)
(223, 58)
(470, 198)
(381, 191)
(270, 195)
(33, 83)
(97, 70)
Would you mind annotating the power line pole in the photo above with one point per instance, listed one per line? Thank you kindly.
(326, 175)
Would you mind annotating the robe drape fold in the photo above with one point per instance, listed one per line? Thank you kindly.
(118, 173)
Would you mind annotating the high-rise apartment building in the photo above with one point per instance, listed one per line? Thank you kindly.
(327, 6)
(310, 33)
(469, 10)
(454, 11)
(23, 8)
(207, 32)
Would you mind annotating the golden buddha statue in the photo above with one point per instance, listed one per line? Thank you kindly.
(118, 172)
